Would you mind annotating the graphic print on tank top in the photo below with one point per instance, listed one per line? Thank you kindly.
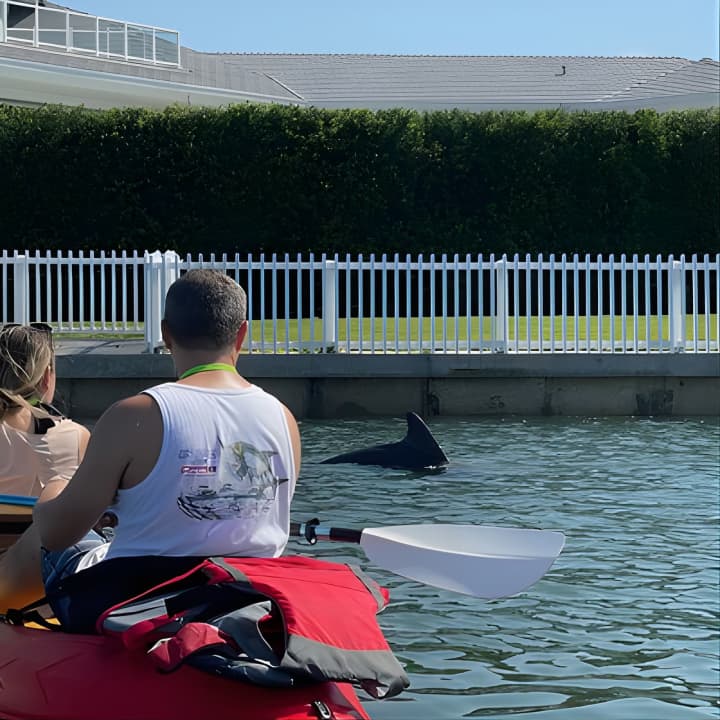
(235, 481)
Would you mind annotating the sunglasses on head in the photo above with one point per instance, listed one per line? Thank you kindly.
(39, 326)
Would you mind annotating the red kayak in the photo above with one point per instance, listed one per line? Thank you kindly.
(226, 638)
(57, 676)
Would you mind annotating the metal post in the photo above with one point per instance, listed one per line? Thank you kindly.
(329, 304)
(677, 315)
(501, 319)
(21, 289)
(161, 270)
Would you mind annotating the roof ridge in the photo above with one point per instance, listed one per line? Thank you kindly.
(431, 55)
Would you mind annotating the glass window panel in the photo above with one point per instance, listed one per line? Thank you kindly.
(21, 16)
(20, 22)
(51, 19)
(112, 37)
(51, 28)
(18, 34)
(140, 42)
(82, 32)
(52, 37)
(166, 46)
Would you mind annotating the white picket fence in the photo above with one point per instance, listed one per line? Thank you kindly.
(438, 304)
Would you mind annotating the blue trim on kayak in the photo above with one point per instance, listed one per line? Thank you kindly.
(23, 500)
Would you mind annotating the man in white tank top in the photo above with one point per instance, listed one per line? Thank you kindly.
(203, 466)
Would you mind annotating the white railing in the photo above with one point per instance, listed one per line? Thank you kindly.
(437, 304)
(79, 33)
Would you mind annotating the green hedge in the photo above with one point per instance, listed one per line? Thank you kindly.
(263, 178)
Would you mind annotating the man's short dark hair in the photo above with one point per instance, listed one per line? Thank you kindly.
(204, 310)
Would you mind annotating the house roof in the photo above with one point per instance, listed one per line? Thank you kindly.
(423, 82)
(380, 81)
(700, 76)
(38, 76)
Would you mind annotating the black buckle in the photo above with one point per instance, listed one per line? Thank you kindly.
(310, 535)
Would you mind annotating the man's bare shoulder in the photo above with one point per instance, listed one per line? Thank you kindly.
(129, 415)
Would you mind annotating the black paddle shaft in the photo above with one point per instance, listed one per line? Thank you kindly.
(312, 531)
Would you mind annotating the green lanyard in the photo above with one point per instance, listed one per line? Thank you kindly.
(207, 367)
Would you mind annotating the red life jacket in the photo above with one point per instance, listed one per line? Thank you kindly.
(268, 621)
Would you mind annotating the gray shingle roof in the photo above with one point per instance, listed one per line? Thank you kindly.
(212, 70)
(444, 81)
(206, 72)
(413, 81)
(701, 76)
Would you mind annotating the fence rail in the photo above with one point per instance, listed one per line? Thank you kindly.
(438, 304)
(62, 29)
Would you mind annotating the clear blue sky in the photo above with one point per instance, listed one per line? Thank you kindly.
(680, 28)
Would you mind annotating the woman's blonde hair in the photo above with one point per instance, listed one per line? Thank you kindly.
(25, 354)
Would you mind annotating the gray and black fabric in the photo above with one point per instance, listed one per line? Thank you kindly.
(78, 599)
(277, 622)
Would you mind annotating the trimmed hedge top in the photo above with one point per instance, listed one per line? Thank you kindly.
(266, 178)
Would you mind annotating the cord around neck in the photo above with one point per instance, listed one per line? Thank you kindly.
(207, 367)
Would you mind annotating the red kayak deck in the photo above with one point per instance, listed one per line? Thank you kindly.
(54, 676)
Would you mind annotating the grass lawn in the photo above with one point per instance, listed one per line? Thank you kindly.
(372, 331)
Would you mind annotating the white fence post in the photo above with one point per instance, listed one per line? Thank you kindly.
(501, 319)
(21, 290)
(161, 270)
(329, 304)
(677, 315)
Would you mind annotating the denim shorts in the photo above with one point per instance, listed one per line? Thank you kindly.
(59, 564)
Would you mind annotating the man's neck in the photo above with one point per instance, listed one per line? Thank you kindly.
(202, 362)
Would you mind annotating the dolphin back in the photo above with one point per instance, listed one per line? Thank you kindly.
(416, 451)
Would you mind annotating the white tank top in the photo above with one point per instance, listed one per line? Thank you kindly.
(222, 483)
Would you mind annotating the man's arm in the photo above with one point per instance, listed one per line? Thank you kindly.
(295, 440)
(63, 520)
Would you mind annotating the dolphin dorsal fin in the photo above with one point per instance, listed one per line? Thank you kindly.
(419, 436)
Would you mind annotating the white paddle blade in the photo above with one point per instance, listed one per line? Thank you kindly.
(487, 562)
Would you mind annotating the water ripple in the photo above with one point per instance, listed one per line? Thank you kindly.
(623, 627)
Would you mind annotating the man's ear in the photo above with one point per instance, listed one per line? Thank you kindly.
(167, 339)
(242, 332)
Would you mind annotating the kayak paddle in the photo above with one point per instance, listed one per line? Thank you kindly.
(479, 560)
(483, 561)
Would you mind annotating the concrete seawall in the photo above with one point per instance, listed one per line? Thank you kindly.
(93, 375)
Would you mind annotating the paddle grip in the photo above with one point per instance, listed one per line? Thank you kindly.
(312, 531)
(345, 535)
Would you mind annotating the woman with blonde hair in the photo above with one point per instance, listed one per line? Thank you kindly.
(37, 444)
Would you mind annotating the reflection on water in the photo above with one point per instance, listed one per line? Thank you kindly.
(623, 627)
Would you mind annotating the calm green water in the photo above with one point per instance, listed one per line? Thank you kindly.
(623, 627)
